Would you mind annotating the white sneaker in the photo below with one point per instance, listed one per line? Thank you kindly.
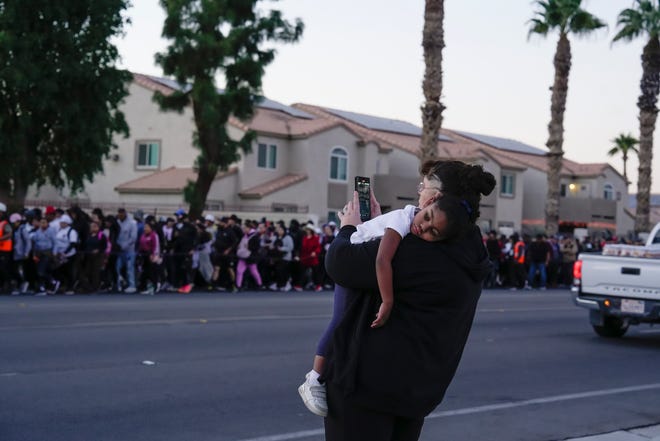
(56, 286)
(313, 395)
(286, 288)
(130, 290)
(273, 286)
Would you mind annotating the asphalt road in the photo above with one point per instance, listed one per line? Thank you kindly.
(225, 367)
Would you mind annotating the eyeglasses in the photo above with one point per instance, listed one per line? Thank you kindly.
(421, 187)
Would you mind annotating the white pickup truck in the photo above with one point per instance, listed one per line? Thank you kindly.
(621, 286)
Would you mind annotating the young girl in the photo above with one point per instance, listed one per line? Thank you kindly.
(437, 218)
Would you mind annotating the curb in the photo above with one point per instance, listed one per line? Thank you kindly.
(648, 433)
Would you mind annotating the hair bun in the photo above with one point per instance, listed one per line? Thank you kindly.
(483, 181)
(478, 180)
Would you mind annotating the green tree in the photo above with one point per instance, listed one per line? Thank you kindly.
(624, 144)
(59, 92)
(211, 37)
(643, 19)
(564, 16)
(433, 41)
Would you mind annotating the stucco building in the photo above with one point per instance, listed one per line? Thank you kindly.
(306, 156)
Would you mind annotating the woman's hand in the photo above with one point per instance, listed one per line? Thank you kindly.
(350, 215)
(375, 206)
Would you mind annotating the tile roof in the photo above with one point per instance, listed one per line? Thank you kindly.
(274, 122)
(167, 86)
(457, 146)
(171, 180)
(366, 135)
(266, 188)
(304, 120)
(148, 83)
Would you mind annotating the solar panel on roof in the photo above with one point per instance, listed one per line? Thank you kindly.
(383, 124)
(504, 143)
(172, 84)
(274, 105)
(264, 103)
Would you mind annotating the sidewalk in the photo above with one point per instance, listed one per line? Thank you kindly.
(649, 433)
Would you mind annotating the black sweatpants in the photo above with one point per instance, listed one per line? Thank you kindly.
(347, 421)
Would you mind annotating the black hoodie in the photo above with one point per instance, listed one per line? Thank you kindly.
(404, 367)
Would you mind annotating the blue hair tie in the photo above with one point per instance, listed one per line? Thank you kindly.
(466, 205)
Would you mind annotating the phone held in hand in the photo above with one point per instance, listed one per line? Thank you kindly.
(363, 187)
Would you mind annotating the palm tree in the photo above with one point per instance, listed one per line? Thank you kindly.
(624, 144)
(565, 16)
(644, 19)
(432, 41)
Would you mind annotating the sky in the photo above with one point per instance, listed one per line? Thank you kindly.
(365, 56)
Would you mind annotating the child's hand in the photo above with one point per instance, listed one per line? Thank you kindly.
(382, 316)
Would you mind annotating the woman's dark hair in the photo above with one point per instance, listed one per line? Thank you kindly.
(465, 181)
(459, 216)
(98, 212)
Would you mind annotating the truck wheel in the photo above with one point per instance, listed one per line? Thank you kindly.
(612, 327)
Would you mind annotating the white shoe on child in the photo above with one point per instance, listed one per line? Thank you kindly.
(313, 395)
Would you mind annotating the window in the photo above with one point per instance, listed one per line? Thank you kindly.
(338, 164)
(608, 192)
(148, 154)
(267, 156)
(507, 184)
(562, 190)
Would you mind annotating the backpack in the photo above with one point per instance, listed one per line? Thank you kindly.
(254, 243)
(76, 244)
(243, 250)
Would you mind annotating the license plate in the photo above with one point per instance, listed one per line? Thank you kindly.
(634, 306)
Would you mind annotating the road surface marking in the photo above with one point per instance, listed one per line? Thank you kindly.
(543, 400)
(528, 309)
(481, 409)
(191, 321)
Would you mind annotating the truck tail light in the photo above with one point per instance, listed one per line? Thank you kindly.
(577, 270)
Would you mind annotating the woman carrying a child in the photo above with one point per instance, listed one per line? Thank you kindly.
(382, 381)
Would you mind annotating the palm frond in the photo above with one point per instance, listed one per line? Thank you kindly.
(624, 143)
(631, 23)
(538, 27)
(642, 18)
(582, 22)
(563, 15)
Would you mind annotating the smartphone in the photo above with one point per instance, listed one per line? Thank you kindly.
(363, 187)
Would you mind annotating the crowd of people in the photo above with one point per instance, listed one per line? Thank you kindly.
(536, 262)
(71, 251)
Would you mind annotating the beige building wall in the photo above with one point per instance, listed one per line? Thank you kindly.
(534, 191)
(509, 209)
(394, 172)
(395, 181)
(147, 122)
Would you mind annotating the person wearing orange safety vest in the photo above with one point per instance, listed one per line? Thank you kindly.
(518, 273)
(6, 233)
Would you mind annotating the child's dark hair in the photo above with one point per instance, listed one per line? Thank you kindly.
(459, 215)
(465, 181)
